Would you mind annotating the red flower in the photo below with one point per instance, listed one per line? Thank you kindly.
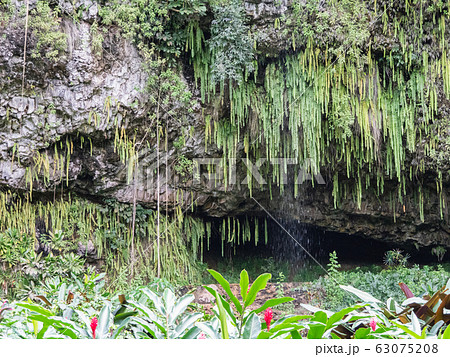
(268, 315)
(373, 324)
(94, 323)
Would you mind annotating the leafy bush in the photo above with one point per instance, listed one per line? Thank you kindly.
(22, 268)
(395, 257)
(44, 23)
(230, 45)
(153, 23)
(381, 284)
(340, 26)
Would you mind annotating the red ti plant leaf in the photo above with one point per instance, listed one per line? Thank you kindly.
(44, 299)
(70, 297)
(3, 309)
(408, 293)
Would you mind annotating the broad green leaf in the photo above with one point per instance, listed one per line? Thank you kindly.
(35, 308)
(273, 302)
(180, 308)
(286, 332)
(225, 305)
(314, 309)
(187, 324)
(226, 286)
(259, 284)
(104, 321)
(407, 330)
(365, 297)
(147, 326)
(83, 317)
(264, 335)
(317, 325)
(222, 315)
(169, 301)
(286, 326)
(209, 330)
(192, 333)
(252, 327)
(67, 328)
(414, 299)
(292, 319)
(243, 283)
(62, 292)
(338, 316)
(156, 300)
(36, 327)
(434, 330)
(296, 335)
(120, 317)
(42, 332)
(391, 304)
(361, 333)
(125, 323)
(145, 311)
(415, 324)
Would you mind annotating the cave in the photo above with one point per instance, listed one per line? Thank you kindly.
(288, 241)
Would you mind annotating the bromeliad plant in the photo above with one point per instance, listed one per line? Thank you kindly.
(236, 318)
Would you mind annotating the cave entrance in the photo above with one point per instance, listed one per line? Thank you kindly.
(283, 252)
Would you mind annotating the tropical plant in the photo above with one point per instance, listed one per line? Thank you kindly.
(395, 257)
(161, 316)
(415, 318)
(439, 252)
(230, 44)
(240, 322)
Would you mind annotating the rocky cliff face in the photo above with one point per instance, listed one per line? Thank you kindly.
(73, 106)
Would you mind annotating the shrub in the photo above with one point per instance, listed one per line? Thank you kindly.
(230, 45)
(45, 27)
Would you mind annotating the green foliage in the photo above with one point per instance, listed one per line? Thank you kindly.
(288, 307)
(334, 295)
(67, 308)
(23, 268)
(230, 45)
(238, 322)
(341, 26)
(382, 284)
(97, 38)
(165, 86)
(333, 265)
(163, 316)
(154, 23)
(184, 166)
(439, 252)
(5, 11)
(395, 258)
(45, 26)
(106, 228)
